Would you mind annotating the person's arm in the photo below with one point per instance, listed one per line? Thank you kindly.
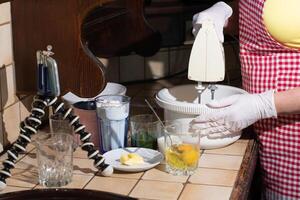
(240, 111)
(288, 102)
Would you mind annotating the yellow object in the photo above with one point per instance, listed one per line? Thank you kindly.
(185, 147)
(124, 158)
(282, 21)
(190, 157)
(174, 159)
(131, 159)
(182, 156)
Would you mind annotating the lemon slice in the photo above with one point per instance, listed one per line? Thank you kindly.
(131, 159)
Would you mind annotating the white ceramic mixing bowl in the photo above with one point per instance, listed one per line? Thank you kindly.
(181, 103)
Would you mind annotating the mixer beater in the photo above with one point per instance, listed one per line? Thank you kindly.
(207, 60)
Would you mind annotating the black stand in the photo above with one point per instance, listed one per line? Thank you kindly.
(32, 123)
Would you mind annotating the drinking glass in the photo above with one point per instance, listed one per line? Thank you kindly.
(55, 158)
(145, 129)
(59, 125)
(182, 148)
(113, 118)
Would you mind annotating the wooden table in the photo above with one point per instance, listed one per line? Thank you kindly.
(224, 173)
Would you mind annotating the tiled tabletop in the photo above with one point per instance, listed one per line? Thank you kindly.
(214, 179)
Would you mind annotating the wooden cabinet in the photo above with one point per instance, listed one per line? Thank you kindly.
(172, 18)
(78, 30)
(82, 30)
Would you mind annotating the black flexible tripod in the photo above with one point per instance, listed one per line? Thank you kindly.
(32, 123)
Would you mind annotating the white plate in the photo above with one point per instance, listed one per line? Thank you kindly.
(151, 158)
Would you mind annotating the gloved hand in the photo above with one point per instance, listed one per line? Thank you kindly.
(236, 113)
(218, 14)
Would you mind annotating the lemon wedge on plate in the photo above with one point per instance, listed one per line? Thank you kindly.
(131, 159)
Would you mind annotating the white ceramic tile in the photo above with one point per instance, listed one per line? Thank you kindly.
(84, 166)
(179, 59)
(25, 107)
(5, 156)
(217, 177)
(79, 153)
(157, 66)
(157, 190)
(159, 174)
(119, 174)
(237, 148)
(131, 68)
(115, 185)
(245, 141)
(215, 161)
(4, 13)
(78, 182)
(11, 121)
(205, 192)
(23, 178)
(112, 67)
(6, 57)
(28, 162)
(8, 86)
(30, 147)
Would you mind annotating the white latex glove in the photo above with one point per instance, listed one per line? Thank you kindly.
(218, 14)
(236, 113)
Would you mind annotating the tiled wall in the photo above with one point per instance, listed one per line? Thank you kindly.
(12, 109)
(168, 61)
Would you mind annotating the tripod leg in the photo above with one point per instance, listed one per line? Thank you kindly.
(30, 127)
(27, 128)
(106, 170)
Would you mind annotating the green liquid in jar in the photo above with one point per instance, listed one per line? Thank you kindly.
(145, 140)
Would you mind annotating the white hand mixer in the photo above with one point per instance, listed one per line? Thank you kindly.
(207, 60)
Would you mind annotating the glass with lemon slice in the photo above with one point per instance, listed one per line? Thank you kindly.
(182, 149)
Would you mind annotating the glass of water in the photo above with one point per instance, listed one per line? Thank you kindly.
(55, 158)
(113, 117)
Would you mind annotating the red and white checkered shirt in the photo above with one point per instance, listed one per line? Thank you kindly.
(268, 65)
